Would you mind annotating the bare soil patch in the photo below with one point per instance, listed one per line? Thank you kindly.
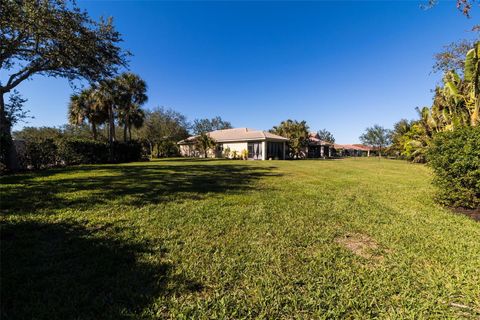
(361, 245)
(472, 213)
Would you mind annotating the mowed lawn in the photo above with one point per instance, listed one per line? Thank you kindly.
(354, 238)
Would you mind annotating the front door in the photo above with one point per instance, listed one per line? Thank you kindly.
(255, 150)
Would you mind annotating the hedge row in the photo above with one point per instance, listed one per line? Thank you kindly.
(49, 152)
(455, 159)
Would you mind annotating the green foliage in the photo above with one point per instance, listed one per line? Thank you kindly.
(161, 131)
(14, 109)
(39, 154)
(52, 38)
(207, 125)
(244, 154)
(326, 135)
(83, 107)
(56, 38)
(46, 147)
(114, 100)
(127, 152)
(204, 143)
(38, 133)
(226, 152)
(452, 57)
(455, 159)
(297, 134)
(456, 104)
(81, 151)
(131, 95)
(376, 136)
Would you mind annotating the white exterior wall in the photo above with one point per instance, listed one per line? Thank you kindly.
(235, 146)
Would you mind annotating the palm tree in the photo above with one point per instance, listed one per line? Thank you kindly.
(135, 119)
(204, 143)
(131, 95)
(82, 107)
(105, 98)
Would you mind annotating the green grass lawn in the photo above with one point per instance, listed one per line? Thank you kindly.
(354, 238)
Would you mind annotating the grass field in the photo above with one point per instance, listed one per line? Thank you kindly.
(354, 238)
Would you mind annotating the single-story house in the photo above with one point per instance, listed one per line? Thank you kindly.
(318, 148)
(232, 143)
(353, 150)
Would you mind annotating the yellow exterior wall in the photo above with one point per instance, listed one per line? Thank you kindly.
(234, 146)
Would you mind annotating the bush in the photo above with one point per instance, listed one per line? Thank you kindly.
(127, 151)
(82, 151)
(38, 154)
(455, 159)
(42, 153)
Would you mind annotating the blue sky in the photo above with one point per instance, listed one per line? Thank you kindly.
(339, 65)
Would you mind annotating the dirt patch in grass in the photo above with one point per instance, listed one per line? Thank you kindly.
(361, 245)
(472, 213)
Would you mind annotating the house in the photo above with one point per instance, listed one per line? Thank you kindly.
(233, 143)
(317, 148)
(352, 150)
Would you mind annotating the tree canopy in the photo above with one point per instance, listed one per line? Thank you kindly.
(162, 129)
(207, 125)
(297, 134)
(55, 38)
(14, 110)
(376, 136)
(326, 135)
(52, 38)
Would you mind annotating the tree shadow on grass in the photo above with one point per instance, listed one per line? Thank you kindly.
(132, 185)
(67, 271)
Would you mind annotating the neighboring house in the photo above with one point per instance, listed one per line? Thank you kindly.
(317, 148)
(260, 145)
(352, 150)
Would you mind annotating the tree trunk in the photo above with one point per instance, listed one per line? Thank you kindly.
(125, 128)
(150, 146)
(8, 156)
(111, 133)
(130, 133)
(111, 120)
(94, 131)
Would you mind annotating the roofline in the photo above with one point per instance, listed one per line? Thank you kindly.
(282, 139)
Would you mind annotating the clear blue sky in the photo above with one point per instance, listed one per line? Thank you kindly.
(339, 65)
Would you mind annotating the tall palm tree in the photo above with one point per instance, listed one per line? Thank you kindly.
(105, 99)
(82, 107)
(132, 94)
(136, 120)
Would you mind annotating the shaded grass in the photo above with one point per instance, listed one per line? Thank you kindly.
(234, 239)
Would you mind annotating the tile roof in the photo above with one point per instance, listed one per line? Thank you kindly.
(238, 134)
(360, 147)
(314, 139)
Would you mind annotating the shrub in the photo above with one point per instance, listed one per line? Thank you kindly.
(82, 151)
(244, 154)
(42, 153)
(39, 154)
(127, 151)
(455, 159)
